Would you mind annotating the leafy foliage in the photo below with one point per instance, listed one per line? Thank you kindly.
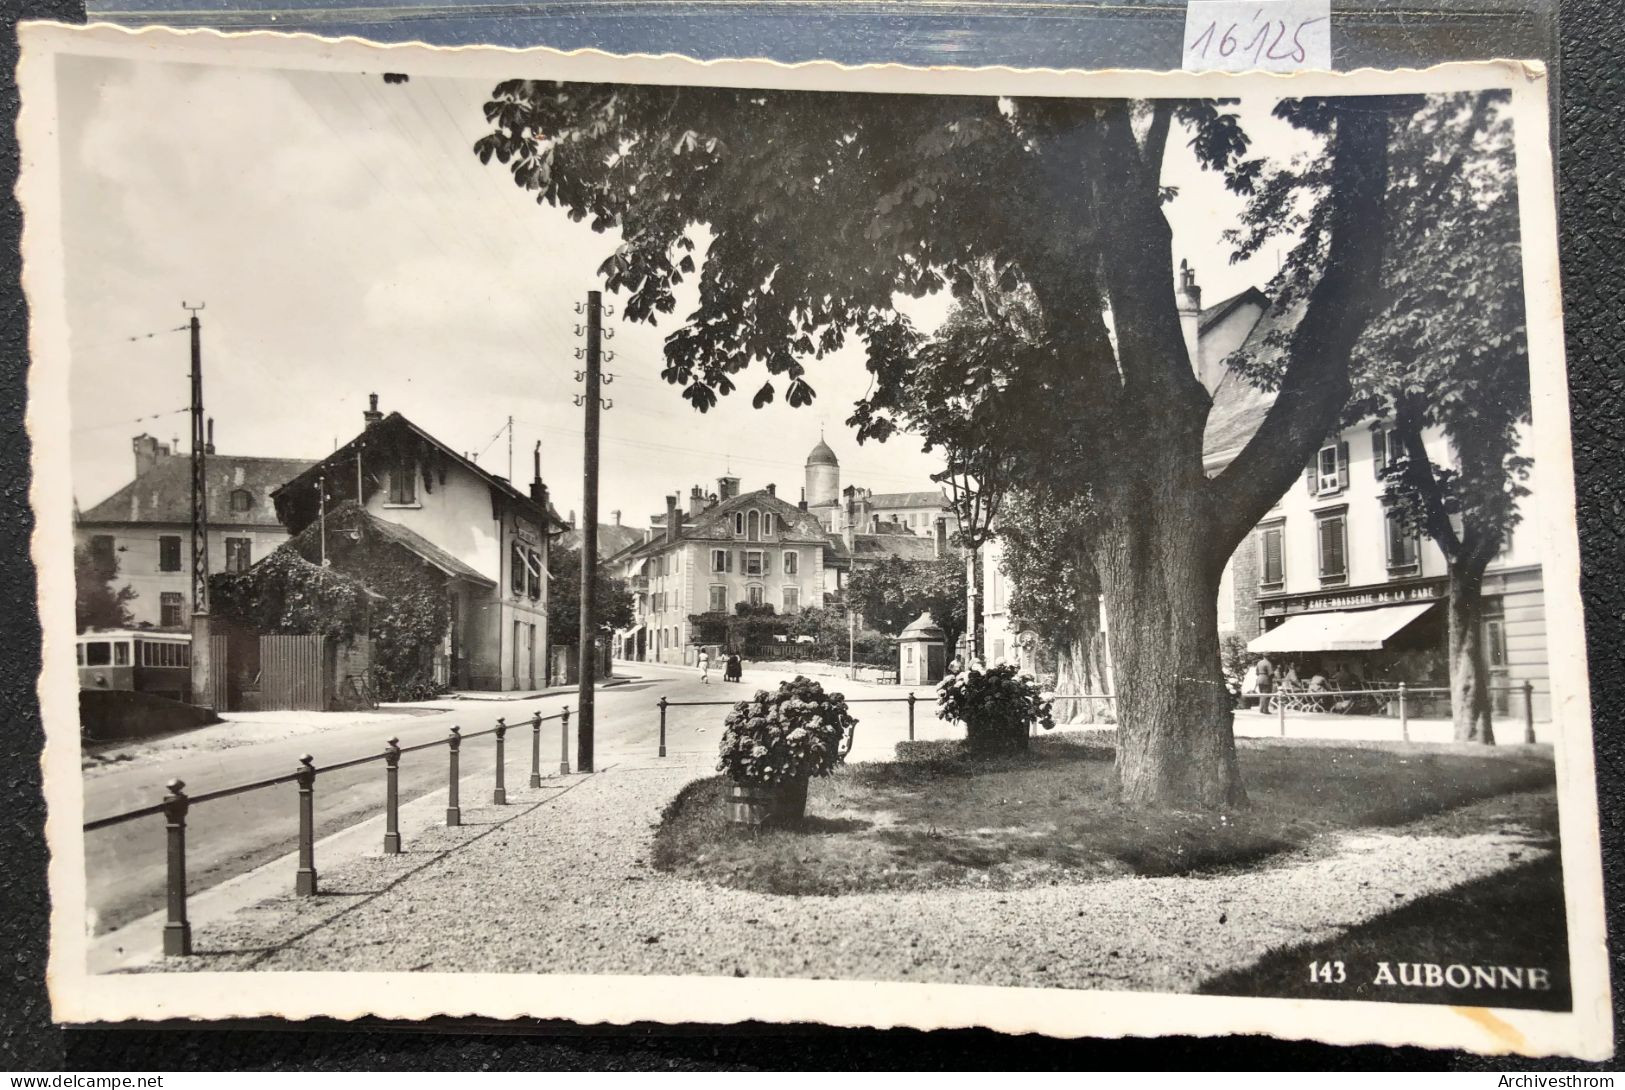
(891, 594)
(999, 707)
(785, 735)
(612, 598)
(1045, 557)
(372, 587)
(287, 593)
(96, 603)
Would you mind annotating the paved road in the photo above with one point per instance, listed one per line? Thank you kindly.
(125, 864)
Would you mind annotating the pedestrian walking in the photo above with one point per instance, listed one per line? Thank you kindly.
(705, 668)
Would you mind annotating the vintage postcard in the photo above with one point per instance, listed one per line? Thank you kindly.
(631, 539)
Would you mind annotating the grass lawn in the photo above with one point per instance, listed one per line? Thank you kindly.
(940, 820)
(1512, 919)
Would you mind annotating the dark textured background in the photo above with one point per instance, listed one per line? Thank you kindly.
(1592, 210)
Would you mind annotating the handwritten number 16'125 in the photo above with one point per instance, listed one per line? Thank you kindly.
(1261, 44)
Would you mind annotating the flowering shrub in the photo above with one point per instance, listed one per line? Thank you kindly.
(785, 735)
(998, 707)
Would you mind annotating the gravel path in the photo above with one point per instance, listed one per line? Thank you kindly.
(558, 882)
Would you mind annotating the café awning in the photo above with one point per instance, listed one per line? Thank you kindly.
(1341, 630)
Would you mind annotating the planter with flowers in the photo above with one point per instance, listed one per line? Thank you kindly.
(774, 742)
(999, 707)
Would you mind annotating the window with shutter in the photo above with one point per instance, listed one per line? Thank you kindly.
(1311, 476)
(1342, 465)
(169, 553)
(1379, 450)
(1402, 546)
(719, 600)
(1333, 551)
(1272, 569)
(719, 560)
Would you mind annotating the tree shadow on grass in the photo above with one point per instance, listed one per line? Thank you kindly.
(1513, 919)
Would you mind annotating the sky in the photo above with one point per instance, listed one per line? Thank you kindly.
(344, 240)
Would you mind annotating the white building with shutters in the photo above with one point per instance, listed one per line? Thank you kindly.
(723, 550)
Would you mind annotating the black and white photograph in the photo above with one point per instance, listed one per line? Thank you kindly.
(626, 539)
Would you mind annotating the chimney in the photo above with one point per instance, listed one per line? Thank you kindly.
(1189, 299)
(538, 490)
(696, 500)
(674, 521)
(147, 452)
(208, 446)
(772, 489)
(616, 516)
(727, 487)
(572, 519)
(372, 415)
(941, 538)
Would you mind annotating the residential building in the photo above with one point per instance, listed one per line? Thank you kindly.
(489, 539)
(1330, 577)
(723, 549)
(146, 526)
(613, 537)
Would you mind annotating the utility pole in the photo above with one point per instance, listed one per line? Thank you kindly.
(200, 494)
(587, 644)
(510, 450)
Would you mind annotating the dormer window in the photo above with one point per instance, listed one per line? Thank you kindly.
(753, 526)
(242, 500)
(739, 524)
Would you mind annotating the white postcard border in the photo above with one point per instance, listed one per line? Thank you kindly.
(77, 996)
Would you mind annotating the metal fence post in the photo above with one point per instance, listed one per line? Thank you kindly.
(1280, 710)
(536, 750)
(1404, 718)
(454, 812)
(911, 716)
(178, 931)
(1529, 713)
(304, 883)
(564, 742)
(499, 796)
(662, 726)
(392, 797)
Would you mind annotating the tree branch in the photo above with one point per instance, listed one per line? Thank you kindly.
(1139, 273)
(1315, 385)
(1421, 477)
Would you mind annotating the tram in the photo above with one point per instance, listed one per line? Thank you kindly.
(137, 660)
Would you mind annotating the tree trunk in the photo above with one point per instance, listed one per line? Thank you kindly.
(1175, 749)
(1469, 672)
(1080, 668)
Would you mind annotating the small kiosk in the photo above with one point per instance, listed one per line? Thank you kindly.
(920, 650)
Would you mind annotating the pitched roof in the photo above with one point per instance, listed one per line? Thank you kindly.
(884, 546)
(716, 524)
(612, 539)
(1239, 407)
(908, 499)
(347, 516)
(1218, 312)
(341, 465)
(163, 494)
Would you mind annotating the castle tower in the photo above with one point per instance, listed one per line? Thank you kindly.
(823, 476)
